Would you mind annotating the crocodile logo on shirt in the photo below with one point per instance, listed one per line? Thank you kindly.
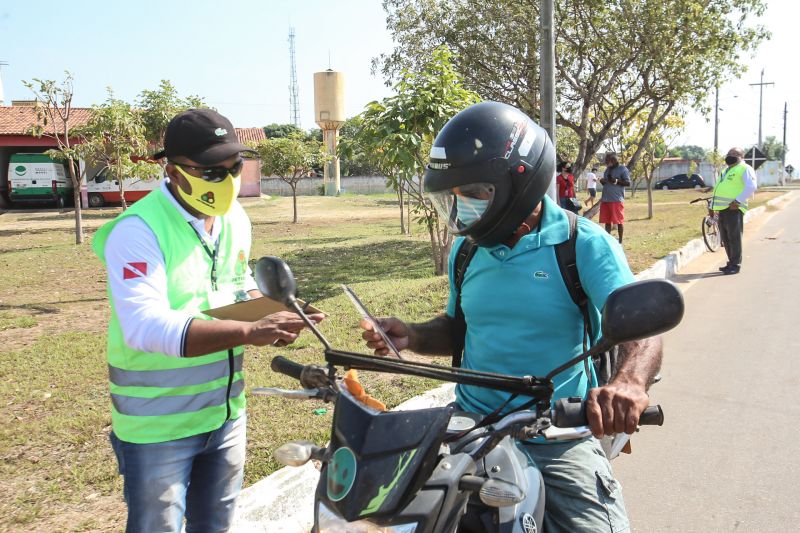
(541, 274)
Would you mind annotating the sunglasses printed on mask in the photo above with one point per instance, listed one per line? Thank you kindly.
(214, 174)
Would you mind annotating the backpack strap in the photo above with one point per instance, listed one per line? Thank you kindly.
(465, 253)
(567, 259)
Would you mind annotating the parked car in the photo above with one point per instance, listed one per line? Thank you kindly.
(681, 181)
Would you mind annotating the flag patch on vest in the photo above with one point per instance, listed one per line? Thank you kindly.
(134, 270)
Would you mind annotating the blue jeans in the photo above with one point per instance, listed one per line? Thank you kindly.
(199, 477)
(581, 492)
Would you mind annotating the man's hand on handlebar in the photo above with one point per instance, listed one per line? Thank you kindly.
(397, 330)
(615, 408)
(279, 329)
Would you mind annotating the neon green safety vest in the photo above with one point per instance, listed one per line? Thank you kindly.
(729, 186)
(157, 397)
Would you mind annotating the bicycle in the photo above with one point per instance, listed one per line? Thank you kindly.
(710, 226)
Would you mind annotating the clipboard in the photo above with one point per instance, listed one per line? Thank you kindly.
(255, 309)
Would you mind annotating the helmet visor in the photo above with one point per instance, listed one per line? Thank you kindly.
(464, 206)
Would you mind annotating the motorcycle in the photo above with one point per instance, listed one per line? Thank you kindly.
(437, 469)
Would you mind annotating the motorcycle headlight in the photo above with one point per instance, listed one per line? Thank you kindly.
(330, 522)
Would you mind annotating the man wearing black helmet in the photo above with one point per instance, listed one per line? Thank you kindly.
(489, 171)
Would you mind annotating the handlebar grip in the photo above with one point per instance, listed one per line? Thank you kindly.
(571, 412)
(285, 366)
(652, 416)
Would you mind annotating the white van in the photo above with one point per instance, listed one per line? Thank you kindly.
(103, 188)
(35, 178)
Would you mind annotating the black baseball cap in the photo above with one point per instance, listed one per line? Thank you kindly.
(202, 135)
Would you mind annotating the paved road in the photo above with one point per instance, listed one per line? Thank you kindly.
(728, 456)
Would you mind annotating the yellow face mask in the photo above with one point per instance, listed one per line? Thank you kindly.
(208, 198)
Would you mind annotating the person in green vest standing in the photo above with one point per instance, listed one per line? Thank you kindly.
(176, 380)
(733, 189)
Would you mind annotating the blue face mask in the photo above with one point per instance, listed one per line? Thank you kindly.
(470, 209)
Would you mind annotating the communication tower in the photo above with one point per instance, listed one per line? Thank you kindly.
(294, 102)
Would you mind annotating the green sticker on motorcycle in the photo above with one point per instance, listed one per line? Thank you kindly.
(341, 473)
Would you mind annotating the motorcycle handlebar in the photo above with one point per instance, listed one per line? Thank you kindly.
(285, 366)
(571, 412)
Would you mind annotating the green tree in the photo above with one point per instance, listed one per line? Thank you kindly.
(292, 160)
(314, 134)
(651, 154)
(116, 138)
(400, 129)
(689, 151)
(279, 131)
(360, 160)
(773, 149)
(615, 58)
(159, 106)
(53, 119)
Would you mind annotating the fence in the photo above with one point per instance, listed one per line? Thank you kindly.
(274, 186)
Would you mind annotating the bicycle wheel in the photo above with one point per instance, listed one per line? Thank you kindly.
(711, 234)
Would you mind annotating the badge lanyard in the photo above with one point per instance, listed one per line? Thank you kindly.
(211, 254)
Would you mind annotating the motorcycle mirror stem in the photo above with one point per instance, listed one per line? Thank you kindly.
(274, 278)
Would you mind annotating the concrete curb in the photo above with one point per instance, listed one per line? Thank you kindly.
(284, 501)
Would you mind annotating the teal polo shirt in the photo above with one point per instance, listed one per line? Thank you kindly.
(520, 317)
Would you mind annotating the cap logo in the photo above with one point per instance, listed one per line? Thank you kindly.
(219, 132)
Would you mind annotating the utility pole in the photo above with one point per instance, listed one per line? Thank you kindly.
(783, 152)
(547, 83)
(716, 121)
(761, 103)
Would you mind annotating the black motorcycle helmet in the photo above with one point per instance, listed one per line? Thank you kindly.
(489, 168)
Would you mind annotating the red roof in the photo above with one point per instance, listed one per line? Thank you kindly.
(18, 119)
(247, 135)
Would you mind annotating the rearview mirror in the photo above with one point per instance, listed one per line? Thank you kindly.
(275, 279)
(640, 310)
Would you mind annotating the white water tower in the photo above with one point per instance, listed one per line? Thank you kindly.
(329, 115)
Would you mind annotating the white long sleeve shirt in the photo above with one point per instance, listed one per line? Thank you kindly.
(750, 184)
(137, 280)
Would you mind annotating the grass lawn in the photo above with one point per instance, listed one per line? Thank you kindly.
(57, 471)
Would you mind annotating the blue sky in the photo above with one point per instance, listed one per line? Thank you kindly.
(236, 55)
(233, 53)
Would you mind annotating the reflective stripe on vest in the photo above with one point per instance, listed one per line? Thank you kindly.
(176, 377)
(170, 405)
(729, 187)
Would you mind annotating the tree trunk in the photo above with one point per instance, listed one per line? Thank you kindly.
(408, 216)
(402, 211)
(650, 198)
(294, 202)
(76, 199)
(121, 191)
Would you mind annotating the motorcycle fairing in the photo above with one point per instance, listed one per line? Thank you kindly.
(394, 452)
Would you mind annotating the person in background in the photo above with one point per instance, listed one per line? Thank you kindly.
(566, 187)
(591, 186)
(612, 202)
(733, 189)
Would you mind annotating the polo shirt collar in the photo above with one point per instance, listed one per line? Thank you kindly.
(553, 229)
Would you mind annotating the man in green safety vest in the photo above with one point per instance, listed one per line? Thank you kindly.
(733, 189)
(176, 380)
